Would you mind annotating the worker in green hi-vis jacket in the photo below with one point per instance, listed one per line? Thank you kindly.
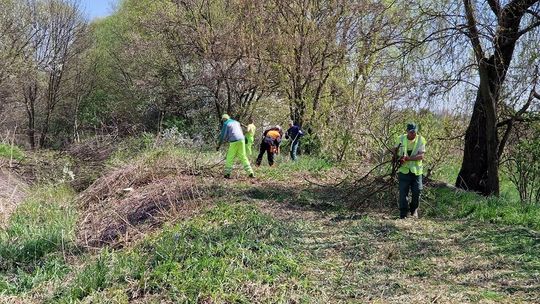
(410, 149)
(231, 132)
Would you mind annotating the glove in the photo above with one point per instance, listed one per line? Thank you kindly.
(403, 159)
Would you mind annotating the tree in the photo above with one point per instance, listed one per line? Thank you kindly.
(223, 38)
(56, 25)
(307, 42)
(493, 54)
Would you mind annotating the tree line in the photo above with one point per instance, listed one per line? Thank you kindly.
(349, 72)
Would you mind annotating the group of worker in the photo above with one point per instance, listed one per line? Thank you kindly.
(240, 146)
(408, 153)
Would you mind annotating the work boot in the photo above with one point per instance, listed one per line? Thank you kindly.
(403, 214)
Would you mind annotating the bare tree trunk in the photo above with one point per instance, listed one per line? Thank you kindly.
(480, 168)
(30, 96)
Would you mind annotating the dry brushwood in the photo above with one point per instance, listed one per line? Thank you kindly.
(363, 190)
(130, 201)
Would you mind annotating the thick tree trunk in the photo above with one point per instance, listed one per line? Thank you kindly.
(480, 169)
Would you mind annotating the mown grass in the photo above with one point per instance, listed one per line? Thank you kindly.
(389, 261)
(38, 236)
(285, 169)
(230, 254)
(11, 152)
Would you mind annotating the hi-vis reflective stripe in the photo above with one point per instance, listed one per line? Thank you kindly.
(405, 142)
(412, 166)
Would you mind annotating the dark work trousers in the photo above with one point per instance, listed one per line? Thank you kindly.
(408, 182)
(265, 147)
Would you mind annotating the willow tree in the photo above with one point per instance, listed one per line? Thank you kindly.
(493, 53)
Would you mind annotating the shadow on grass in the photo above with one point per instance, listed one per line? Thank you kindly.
(518, 244)
(315, 198)
(468, 257)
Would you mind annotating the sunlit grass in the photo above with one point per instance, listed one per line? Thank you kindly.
(38, 235)
(219, 256)
(11, 152)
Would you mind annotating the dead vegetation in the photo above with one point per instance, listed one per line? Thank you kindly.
(12, 192)
(89, 160)
(136, 198)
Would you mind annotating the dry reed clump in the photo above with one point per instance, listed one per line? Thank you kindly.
(132, 200)
(94, 150)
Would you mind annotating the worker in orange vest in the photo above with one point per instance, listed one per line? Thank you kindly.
(270, 144)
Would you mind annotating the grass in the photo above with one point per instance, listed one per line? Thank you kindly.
(11, 152)
(262, 241)
(285, 169)
(37, 238)
(223, 256)
(449, 170)
(505, 209)
(450, 204)
(130, 148)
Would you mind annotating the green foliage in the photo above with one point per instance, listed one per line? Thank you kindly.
(31, 246)
(11, 151)
(311, 144)
(213, 256)
(97, 108)
(175, 122)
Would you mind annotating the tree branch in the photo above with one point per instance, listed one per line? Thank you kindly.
(529, 28)
(517, 117)
(495, 7)
(473, 31)
(533, 25)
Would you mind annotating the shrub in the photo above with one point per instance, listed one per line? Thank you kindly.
(524, 169)
(11, 151)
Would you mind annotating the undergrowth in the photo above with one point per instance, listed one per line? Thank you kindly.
(231, 253)
(11, 152)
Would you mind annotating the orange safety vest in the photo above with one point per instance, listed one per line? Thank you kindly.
(273, 134)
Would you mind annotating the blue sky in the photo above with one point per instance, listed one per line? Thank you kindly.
(97, 8)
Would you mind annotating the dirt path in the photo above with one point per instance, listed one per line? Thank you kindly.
(12, 192)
